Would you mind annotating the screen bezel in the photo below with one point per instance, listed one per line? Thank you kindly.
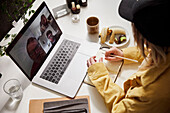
(23, 30)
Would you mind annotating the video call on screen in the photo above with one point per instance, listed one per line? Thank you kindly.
(36, 42)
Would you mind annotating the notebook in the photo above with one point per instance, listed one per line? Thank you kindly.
(113, 68)
(38, 105)
(67, 106)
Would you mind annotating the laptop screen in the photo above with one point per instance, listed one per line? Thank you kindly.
(35, 41)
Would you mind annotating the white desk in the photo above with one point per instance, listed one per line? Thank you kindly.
(107, 12)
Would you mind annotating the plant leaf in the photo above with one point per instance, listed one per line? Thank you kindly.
(13, 35)
(29, 13)
(29, 1)
(32, 11)
(7, 36)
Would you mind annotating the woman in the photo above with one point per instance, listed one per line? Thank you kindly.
(147, 90)
(44, 23)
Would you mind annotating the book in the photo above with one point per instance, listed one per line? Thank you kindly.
(118, 71)
(113, 67)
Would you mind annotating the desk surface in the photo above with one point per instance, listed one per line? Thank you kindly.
(107, 12)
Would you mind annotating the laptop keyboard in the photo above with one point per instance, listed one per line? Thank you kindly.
(60, 61)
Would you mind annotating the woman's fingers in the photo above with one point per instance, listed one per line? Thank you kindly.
(88, 63)
(101, 59)
(92, 61)
(113, 51)
(113, 58)
(107, 53)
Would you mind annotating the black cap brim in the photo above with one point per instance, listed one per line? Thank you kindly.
(126, 9)
(150, 18)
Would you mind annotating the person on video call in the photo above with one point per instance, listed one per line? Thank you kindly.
(44, 23)
(36, 53)
(147, 90)
(51, 37)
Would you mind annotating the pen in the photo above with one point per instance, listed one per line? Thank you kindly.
(120, 67)
(124, 58)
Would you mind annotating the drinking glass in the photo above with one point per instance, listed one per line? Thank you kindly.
(14, 89)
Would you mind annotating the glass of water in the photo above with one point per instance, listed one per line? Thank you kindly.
(14, 89)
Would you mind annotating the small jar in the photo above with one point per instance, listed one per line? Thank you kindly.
(83, 3)
(73, 8)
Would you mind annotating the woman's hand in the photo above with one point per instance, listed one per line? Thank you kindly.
(113, 51)
(92, 61)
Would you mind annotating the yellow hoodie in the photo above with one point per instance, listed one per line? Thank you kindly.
(146, 91)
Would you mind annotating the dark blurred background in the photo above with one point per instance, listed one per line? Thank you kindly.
(11, 10)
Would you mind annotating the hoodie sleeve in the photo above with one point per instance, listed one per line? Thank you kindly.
(110, 91)
(132, 53)
(115, 97)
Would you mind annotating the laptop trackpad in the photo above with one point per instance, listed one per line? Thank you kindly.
(77, 68)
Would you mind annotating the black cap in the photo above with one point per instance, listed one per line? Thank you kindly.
(151, 18)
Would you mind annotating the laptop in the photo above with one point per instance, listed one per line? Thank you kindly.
(47, 56)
